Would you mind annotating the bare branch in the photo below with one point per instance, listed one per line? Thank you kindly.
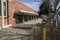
(58, 8)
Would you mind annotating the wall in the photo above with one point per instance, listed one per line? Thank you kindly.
(11, 8)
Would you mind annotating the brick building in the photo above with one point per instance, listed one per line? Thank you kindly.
(13, 12)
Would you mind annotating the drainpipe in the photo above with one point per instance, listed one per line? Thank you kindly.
(2, 14)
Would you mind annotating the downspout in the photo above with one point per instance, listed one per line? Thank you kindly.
(7, 13)
(2, 14)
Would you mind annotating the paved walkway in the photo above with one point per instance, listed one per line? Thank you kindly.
(15, 34)
(30, 23)
(34, 21)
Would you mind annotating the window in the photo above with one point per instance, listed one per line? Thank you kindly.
(4, 7)
(0, 9)
(5, 10)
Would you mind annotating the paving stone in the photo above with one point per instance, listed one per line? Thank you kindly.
(18, 33)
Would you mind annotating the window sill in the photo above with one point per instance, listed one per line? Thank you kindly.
(1, 16)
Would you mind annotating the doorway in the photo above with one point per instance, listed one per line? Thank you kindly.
(19, 19)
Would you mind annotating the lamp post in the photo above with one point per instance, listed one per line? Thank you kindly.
(44, 31)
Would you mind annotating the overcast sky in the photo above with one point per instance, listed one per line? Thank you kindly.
(31, 3)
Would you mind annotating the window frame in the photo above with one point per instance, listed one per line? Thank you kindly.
(0, 9)
(4, 8)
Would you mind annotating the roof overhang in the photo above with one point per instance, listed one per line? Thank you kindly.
(20, 11)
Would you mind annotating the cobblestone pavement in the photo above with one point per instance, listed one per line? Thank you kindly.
(15, 34)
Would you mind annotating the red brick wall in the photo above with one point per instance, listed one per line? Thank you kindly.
(22, 6)
(12, 5)
(11, 8)
(0, 21)
(16, 5)
(10, 14)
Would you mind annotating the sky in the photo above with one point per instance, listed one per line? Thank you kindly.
(34, 4)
